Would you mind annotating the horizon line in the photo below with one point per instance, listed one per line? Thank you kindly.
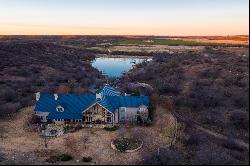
(119, 35)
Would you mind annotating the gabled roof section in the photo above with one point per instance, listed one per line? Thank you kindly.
(73, 104)
(108, 90)
(113, 102)
(129, 101)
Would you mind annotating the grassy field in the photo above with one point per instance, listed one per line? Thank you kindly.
(162, 42)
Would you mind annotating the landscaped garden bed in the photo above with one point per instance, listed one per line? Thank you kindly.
(128, 145)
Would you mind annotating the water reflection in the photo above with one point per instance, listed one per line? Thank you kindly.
(114, 67)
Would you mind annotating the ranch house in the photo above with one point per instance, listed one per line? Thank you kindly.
(105, 106)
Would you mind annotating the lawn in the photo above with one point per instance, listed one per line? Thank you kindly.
(20, 146)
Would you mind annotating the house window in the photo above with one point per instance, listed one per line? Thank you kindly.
(122, 113)
(123, 109)
(59, 109)
(43, 118)
(141, 110)
(109, 119)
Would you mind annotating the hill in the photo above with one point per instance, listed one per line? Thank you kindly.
(28, 67)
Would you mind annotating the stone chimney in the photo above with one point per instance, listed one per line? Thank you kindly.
(56, 96)
(38, 96)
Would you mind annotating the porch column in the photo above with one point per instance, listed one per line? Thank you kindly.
(105, 116)
(113, 119)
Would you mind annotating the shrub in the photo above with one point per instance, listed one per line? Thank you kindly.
(87, 159)
(34, 119)
(139, 120)
(62, 157)
(148, 122)
(240, 101)
(98, 121)
(167, 103)
(78, 127)
(8, 94)
(240, 119)
(9, 108)
(154, 98)
(65, 157)
(230, 144)
(67, 128)
(114, 128)
(64, 89)
(136, 93)
(166, 156)
(151, 111)
(192, 140)
(167, 85)
(210, 73)
(200, 97)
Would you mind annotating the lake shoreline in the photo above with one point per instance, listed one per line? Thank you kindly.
(122, 56)
(115, 66)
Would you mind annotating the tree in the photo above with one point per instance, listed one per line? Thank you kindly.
(154, 98)
(168, 104)
(34, 119)
(63, 89)
(151, 111)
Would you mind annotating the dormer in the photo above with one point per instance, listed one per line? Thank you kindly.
(59, 109)
(98, 96)
(142, 108)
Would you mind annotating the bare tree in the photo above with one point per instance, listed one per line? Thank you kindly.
(154, 98)
(138, 133)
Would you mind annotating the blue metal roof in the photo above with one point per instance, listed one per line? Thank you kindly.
(75, 104)
(113, 102)
(108, 90)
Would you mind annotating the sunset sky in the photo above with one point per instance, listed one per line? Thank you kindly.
(124, 17)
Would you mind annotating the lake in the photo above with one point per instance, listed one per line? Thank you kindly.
(115, 66)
